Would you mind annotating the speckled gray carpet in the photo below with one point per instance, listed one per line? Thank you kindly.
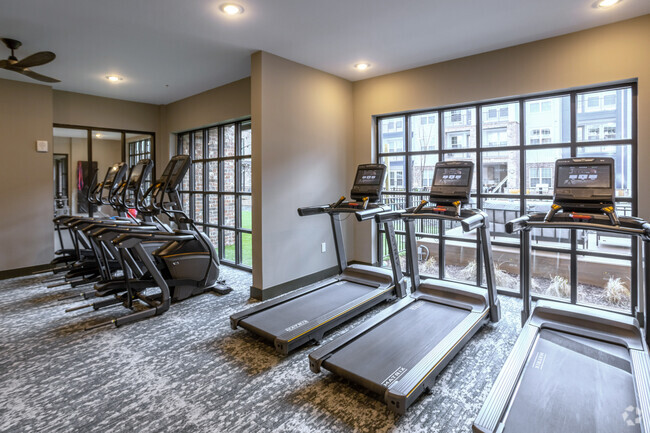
(188, 371)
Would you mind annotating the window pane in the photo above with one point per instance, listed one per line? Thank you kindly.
(548, 120)
(500, 125)
(464, 156)
(604, 115)
(213, 143)
(229, 245)
(391, 135)
(185, 199)
(623, 164)
(422, 167)
(229, 140)
(245, 142)
(245, 175)
(246, 249)
(540, 169)
(460, 261)
(500, 211)
(213, 234)
(396, 202)
(185, 144)
(198, 208)
(453, 229)
(623, 208)
(213, 176)
(604, 282)
(424, 132)
(459, 128)
(246, 213)
(395, 180)
(229, 175)
(548, 236)
(506, 268)
(229, 210)
(198, 176)
(500, 172)
(550, 274)
(604, 242)
(198, 145)
(428, 256)
(213, 209)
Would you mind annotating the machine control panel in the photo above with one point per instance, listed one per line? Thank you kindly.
(369, 182)
(584, 185)
(452, 182)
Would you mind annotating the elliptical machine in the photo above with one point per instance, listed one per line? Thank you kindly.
(182, 264)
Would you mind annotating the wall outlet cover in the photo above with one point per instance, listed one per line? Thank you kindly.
(41, 145)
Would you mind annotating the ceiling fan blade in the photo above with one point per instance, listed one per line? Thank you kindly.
(4, 64)
(39, 77)
(36, 59)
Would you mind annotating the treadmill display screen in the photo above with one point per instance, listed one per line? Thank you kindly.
(368, 177)
(584, 176)
(452, 176)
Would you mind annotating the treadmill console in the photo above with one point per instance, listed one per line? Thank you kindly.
(452, 182)
(584, 185)
(369, 182)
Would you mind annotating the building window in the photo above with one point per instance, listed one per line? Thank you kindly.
(217, 190)
(138, 150)
(514, 147)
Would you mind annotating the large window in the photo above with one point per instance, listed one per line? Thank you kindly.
(217, 190)
(514, 144)
(138, 149)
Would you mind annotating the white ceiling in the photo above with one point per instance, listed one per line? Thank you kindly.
(170, 49)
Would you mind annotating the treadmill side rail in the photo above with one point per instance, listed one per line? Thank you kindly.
(265, 305)
(402, 393)
(313, 330)
(641, 370)
(320, 355)
(497, 400)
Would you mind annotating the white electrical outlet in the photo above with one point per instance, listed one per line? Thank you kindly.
(323, 247)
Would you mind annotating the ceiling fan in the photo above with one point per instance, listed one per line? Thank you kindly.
(22, 66)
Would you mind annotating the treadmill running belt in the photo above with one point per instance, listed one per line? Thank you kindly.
(569, 390)
(380, 356)
(278, 319)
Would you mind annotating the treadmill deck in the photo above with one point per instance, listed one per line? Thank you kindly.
(298, 311)
(385, 353)
(574, 384)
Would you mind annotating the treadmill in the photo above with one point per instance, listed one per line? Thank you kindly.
(575, 368)
(291, 320)
(400, 351)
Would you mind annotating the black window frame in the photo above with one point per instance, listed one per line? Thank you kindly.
(237, 159)
(412, 197)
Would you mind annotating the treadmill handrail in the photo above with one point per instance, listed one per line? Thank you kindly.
(628, 225)
(431, 213)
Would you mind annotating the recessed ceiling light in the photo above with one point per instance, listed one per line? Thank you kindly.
(607, 3)
(98, 135)
(231, 9)
(113, 78)
(362, 66)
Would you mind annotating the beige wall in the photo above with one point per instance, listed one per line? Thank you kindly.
(302, 133)
(604, 54)
(25, 175)
(229, 102)
(95, 111)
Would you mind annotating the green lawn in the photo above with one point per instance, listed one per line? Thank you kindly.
(246, 241)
